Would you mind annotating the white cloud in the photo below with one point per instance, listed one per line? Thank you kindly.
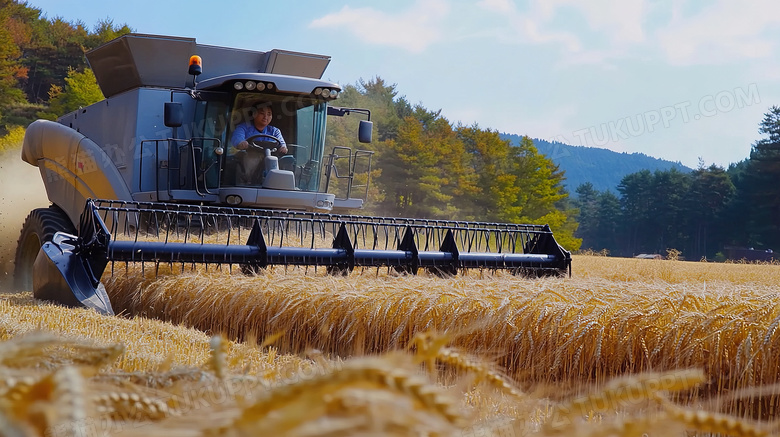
(620, 22)
(501, 6)
(726, 31)
(598, 31)
(535, 34)
(719, 32)
(528, 27)
(413, 29)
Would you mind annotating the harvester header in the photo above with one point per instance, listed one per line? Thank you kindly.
(185, 235)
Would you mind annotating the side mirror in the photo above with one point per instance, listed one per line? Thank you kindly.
(174, 114)
(365, 131)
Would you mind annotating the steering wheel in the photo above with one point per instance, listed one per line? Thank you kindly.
(251, 140)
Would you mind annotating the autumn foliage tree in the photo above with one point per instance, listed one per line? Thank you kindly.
(43, 58)
(81, 89)
(423, 168)
(432, 169)
(11, 69)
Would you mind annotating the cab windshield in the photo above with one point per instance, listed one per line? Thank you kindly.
(300, 120)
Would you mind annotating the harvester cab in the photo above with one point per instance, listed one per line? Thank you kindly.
(164, 131)
(143, 175)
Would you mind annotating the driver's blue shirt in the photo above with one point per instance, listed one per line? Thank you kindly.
(247, 129)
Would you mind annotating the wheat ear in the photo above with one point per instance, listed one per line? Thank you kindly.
(712, 422)
(69, 401)
(463, 362)
(625, 390)
(131, 406)
(218, 357)
(356, 372)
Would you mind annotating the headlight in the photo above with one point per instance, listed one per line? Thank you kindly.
(233, 199)
(249, 85)
(333, 94)
(260, 86)
(325, 92)
(238, 86)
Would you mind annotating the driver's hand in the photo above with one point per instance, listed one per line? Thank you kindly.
(283, 149)
(242, 145)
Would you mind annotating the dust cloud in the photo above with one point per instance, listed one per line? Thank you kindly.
(21, 191)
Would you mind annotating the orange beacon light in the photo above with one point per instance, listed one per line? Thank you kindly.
(196, 67)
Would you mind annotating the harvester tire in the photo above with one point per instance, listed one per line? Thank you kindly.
(39, 227)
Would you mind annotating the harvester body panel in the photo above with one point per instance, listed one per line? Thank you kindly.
(73, 167)
(119, 124)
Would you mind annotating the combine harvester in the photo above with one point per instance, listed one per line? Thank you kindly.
(147, 175)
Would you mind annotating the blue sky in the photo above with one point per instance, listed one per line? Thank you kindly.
(679, 80)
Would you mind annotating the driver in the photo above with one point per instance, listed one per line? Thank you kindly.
(249, 170)
(260, 124)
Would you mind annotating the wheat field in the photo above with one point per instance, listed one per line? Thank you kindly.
(624, 347)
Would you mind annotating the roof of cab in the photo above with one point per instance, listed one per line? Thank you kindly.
(137, 60)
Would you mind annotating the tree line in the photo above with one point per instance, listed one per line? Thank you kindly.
(698, 213)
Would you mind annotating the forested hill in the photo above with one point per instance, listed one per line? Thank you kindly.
(601, 167)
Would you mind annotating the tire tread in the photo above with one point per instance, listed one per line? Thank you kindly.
(43, 222)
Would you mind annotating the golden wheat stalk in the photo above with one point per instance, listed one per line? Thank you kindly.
(621, 393)
(37, 345)
(360, 372)
(478, 368)
(706, 421)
